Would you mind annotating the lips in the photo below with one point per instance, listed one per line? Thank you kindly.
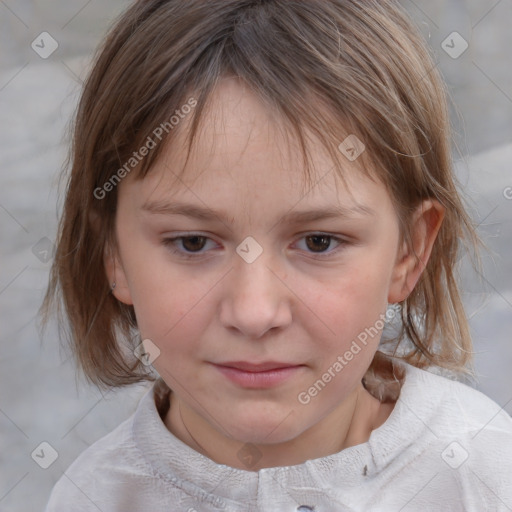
(259, 367)
(258, 375)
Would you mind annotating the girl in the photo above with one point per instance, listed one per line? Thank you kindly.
(260, 189)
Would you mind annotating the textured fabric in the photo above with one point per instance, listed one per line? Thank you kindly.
(445, 446)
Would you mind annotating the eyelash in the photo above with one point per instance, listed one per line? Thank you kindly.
(171, 244)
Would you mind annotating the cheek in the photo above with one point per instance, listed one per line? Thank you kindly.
(348, 312)
(168, 300)
(350, 300)
(178, 312)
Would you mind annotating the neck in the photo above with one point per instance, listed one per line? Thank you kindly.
(349, 424)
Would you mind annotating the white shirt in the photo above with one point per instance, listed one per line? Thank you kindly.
(445, 447)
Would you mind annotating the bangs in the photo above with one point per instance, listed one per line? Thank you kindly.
(325, 90)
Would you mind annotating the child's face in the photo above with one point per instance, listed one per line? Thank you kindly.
(290, 305)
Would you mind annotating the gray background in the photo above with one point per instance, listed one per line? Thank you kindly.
(40, 398)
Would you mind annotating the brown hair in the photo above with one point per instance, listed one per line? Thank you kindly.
(332, 67)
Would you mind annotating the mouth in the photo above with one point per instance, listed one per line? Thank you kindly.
(258, 376)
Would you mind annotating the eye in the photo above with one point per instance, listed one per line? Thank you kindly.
(187, 246)
(318, 243)
(192, 245)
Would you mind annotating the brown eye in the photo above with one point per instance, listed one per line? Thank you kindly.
(193, 243)
(188, 246)
(318, 243)
(323, 245)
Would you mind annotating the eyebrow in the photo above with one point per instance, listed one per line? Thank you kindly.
(292, 217)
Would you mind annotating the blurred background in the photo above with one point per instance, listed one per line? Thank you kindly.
(45, 50)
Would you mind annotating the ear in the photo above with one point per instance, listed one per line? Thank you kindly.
(116, 274)
(412, 261)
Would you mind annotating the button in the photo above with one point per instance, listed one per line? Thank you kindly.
(304, 508)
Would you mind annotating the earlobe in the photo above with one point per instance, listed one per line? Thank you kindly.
(412, 261)
(116, 276)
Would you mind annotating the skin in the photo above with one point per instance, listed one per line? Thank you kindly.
(299, 302)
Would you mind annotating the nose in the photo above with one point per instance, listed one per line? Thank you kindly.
(255, 299)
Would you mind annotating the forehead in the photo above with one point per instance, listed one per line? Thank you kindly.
(244, 151)
(240, 133)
